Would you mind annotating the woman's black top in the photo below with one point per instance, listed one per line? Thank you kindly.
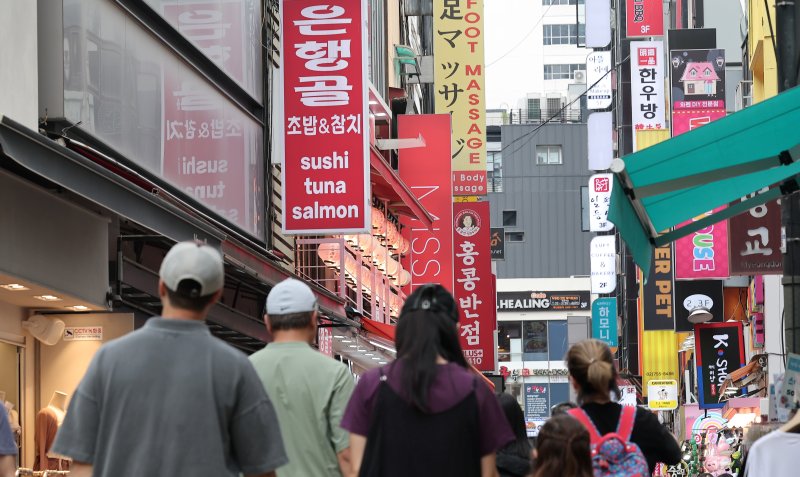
(656, 443)
(404, 441)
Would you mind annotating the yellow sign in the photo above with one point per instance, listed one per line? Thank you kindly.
(459, 88)
(662, 394)
(659, 356)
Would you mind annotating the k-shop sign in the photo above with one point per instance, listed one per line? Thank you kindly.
(325, 168)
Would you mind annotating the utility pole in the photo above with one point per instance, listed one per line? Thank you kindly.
(786, 32)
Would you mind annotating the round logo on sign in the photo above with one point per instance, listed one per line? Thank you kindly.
(468, 223)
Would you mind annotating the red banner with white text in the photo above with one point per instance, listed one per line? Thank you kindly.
(427, 171)
(474, 287)
(326, 188)
(645, 18)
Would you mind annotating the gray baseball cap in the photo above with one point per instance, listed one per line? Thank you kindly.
(290, 296)
(195, 261)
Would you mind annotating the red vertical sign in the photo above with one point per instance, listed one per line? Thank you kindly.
(474, 287)
(427, 171)
(645, 18)
(205, 144)
(325, 171)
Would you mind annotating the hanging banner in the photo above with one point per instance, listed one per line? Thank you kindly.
(426, 171)
(473, 283)
(604, 321)
(647, 85)
(720, 351)
(644, 18)
(459, 88)
(703, 254)
(598, 67)
(698, 88)
(599, 202)
(755, 238)
(325, 168)
(659, 356)
(603, 263)
(498, 243)
(657, 292)
(693, 294)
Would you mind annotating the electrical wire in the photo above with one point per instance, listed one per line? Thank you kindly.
(523, 38)
(531, 134)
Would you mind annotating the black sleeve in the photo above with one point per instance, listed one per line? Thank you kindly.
(656, 443)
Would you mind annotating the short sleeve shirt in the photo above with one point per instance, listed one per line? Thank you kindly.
(310, 392)
(7, 444)
(450, 386)
(171, 399)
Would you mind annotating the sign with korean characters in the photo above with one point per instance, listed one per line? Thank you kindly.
(604, 321)
(698, 88)
(427, 172)
(644, 18)
(599, 202)
(647, 85)
(755, 240)
(325, 168)
(598, 70)
(472, 264)
(83, 333)
(720, 351)
(459, 88)
(576, 300)
(603, 263)
(537, 406)
(662, 394)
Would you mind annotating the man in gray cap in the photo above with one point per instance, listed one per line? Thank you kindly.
(170, 399)
(309, 390)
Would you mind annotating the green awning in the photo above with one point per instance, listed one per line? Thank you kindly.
(670, 183)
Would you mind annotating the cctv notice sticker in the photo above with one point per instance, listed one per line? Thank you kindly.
(83, 333)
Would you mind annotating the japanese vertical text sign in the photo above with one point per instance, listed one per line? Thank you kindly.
(720, 351)
(459, 86)
(604, 321)
(427, 172)
(647, 85)
(645, 18)
(325, 168)
(473, 283)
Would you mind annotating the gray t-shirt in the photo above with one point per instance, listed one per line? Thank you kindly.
(170, 399)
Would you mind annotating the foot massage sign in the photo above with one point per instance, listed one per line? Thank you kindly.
(325, 168)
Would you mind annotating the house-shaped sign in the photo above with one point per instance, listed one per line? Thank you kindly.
(699, 78)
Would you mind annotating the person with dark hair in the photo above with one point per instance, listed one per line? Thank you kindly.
(309, 390)
(562, 408)
(170, 398)
(514, 460)
(594, 378)
(562, 449)
(425, 414)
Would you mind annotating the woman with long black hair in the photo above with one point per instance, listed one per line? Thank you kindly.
(425, 414)
(514, 460)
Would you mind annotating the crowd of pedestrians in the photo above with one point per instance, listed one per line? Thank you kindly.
(172, 400)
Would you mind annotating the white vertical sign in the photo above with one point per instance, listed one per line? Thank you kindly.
(599, 202)
(603, 260)
(598, 23)
(647, 86)
(601, 131)
(598, 70)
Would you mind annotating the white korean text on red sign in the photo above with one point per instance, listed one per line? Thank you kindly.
(325, 171)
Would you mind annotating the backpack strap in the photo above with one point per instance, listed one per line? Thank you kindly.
(584, 419)
(626, 419)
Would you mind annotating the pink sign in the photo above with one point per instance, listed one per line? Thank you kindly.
(703, 254)
(474, 283)
(427, 171)
(685, 120)
(325, 173)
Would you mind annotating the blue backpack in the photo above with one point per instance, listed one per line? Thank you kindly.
(614, 455)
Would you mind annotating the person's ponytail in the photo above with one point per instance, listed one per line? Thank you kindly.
(599, 373)
(591, 366)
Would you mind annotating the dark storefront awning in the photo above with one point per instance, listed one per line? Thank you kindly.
(663, 186)
(387, 185)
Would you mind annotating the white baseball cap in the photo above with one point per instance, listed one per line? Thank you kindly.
(195, 261)
(290, 296)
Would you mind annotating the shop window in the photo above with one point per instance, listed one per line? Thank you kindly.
(548, 155)
(534, 341)
(494, 171)
(565, 34)
(557, 340)
(515, 236)
(509, 334)
(509, 218)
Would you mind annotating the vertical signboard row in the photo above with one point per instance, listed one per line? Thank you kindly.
(325, 168)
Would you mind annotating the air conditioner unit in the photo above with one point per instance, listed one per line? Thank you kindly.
(579, 76)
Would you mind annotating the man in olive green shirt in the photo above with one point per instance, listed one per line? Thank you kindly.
(308, 389)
